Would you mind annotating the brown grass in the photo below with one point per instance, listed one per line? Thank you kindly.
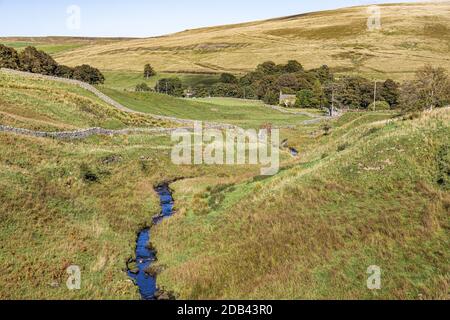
(314, 39)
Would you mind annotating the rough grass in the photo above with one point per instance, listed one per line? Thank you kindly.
(54, 214)
(51, 106)
(309, 232)
(79, 203)
(313, 39)
(312, 231)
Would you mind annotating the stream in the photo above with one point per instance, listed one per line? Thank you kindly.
(145, 255)
(293, 151)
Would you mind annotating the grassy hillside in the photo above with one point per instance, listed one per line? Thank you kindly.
(373, 192)
(417, 33)
(79, 203)
(51, 106)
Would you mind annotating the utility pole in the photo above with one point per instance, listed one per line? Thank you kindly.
(332, 100)
(375, 97)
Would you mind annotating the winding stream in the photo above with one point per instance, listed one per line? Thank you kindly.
(142, 276)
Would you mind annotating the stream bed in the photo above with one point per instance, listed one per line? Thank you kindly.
(141, 274)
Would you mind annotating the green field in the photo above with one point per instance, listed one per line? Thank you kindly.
(48, 48)
(127, 80)
(51, 106)
(238, 112)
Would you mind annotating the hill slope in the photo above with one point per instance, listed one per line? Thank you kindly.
(416, 33)
(47, 105)
(373, 192)
(66, 202)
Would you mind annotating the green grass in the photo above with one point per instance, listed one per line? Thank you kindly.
(127, 80)
(374, 191)
(48, 48)
(236, 112)
(312, 231)
(52, 217)
(51, 106)
(231, 102)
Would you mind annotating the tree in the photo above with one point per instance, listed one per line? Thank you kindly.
(305, 99)
(409, 97)
(228, 78)
(433, 85)
(142, 87)
(271, 97)
(355, 92)
(9, 58)
(293, 66)
(429, 90)
(171, 86)
(64, 72)
(149, 71)
(267, 68)
(264, 85)
(201, 91)
(249, 92)
(319, 95)
(390, 92)
(35, 61)
(88, 74)
(379, 105)
(324, 74)
(288, 81)
(226, 90)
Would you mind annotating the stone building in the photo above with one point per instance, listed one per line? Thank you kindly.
(287, 100)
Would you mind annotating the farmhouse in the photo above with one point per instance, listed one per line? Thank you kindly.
(287, 100)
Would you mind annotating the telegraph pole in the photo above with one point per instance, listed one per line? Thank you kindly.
(375, 97)
(332, 100)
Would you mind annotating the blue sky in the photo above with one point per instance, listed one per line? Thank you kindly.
(145, 17)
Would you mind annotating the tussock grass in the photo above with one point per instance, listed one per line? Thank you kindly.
(312, 231)
(309, 232)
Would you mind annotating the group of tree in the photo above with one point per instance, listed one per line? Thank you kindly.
(316, 88)
(430, 89)
(319, 88)
(36, 61)
(171, 86)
